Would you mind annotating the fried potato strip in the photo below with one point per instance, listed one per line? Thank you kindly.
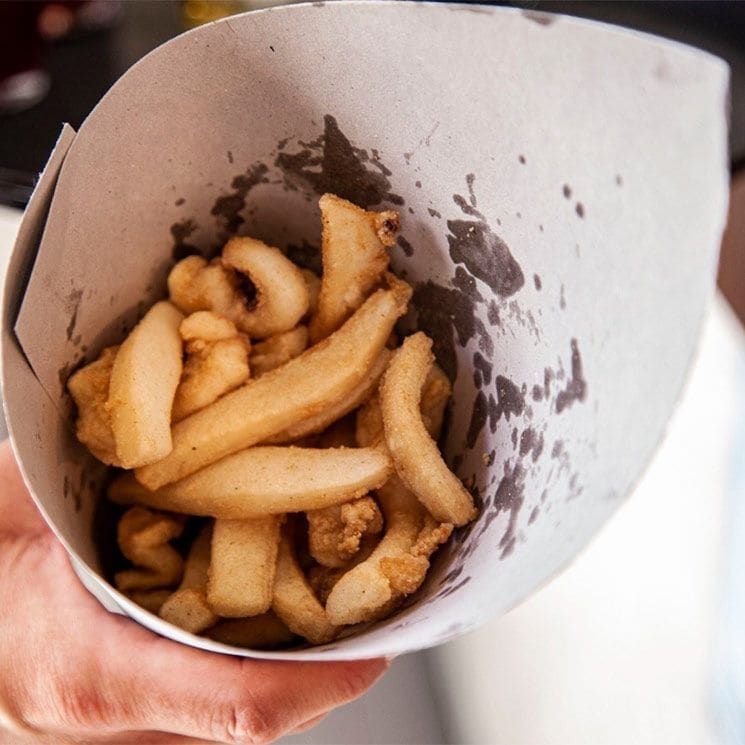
(354, 250)
(417, 459)
(299, 389)
(263, 481)
(358, 395)
(144, 378)
(89, 388)
(294, 601)
(216, 362)
(244, 557)
(187, 608)
(143, 538)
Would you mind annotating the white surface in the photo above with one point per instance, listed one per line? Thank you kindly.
(618, 649)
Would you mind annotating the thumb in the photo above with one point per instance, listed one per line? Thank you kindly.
(174, 688)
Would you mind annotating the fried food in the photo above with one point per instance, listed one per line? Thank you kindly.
(354, 247)
(187, 608)
(417, 459)
(435, 396)
(278, 349)
(254, 285)
(340, 408)
(281, 290)
(151, 600)
(89, 388)
(244, 557)
(299, 389)
(406, 572)
(334, 533)
(364, 593)
(313, 282)
(294, 601)
(144, 378)
(258, 632)
(263, 481)
(216, 362)
(143, 537)
(228, 414)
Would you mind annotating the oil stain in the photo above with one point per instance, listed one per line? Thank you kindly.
(331, 163)
(576, 386)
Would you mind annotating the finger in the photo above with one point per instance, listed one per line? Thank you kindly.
(132, 737)
(199, 694)
(18, 509)
(309, 724)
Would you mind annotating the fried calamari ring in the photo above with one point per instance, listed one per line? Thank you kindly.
(299, 389)
(354, 249)
(273, 300)
(418, 461)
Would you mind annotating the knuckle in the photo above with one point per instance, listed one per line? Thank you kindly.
(353, 682)
(249, 722)
(80, 706)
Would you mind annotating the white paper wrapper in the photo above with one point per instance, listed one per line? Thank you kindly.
(562, 186)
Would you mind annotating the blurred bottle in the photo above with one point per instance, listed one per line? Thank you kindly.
(196, 12)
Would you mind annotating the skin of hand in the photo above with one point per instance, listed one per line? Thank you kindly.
(70, 671)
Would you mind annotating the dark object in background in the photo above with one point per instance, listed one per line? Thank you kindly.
(23, 81)
(82, 70)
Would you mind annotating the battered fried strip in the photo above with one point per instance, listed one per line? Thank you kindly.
(418, 461)
(263, 481)
(89, 388)
(259, 632)
(241, 574)
(278, 349)
(294, 601)
(353, 247)
(364, 593)
(435, 396)
(143, 538)
(187, 608)
(144, 378)
(362, 391)
(297, 390)
(216, 362)
(151, 600)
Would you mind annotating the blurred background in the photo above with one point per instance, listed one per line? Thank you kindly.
(642, 640)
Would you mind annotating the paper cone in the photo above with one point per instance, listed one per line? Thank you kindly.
(562, 186)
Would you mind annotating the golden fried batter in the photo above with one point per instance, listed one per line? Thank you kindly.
(89, 388)
(216, 363)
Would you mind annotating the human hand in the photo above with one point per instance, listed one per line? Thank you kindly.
(72, 671)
